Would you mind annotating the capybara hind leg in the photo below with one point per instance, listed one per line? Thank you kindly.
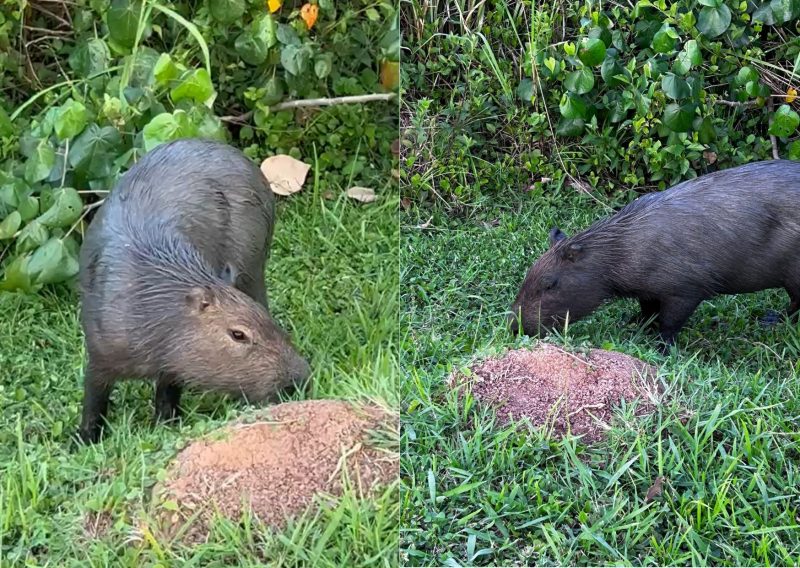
(97, 387)
(168, 398)
(675, 311)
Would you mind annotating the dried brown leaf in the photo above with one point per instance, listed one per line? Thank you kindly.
(362, 194)
(285, 174)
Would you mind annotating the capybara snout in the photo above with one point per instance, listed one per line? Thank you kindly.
(234, 345)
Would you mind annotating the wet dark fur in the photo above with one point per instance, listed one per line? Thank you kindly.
(730, 232)
(171, 269)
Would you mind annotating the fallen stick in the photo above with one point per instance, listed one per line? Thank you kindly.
(315, 103)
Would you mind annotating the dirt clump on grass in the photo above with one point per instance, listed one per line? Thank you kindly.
(568, 392)
(276, 465)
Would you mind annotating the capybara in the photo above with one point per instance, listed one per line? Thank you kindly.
(728, 232)
(172, 282)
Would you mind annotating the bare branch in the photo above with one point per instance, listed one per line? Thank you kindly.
(243, 118)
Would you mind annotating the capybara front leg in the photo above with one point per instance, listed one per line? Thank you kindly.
(168, 398)
(675, 311)
(97, 387)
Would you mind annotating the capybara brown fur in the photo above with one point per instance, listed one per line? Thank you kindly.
(172, 282)
(733, 231)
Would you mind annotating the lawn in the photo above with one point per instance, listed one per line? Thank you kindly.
(332, 281)
(473, 493)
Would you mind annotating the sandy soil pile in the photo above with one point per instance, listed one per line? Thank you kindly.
(277, 464)
(568, 392)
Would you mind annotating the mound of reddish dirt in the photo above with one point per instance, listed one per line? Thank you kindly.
(276, 465)
(564, 391)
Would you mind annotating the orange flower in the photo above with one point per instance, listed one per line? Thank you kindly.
(309, 13)
(273, 5)
(791, 95)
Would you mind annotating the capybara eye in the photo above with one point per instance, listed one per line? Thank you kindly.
(551, 284)
(237, 335)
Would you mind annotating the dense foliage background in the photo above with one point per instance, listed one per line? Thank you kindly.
(606, 96)
(87, 86)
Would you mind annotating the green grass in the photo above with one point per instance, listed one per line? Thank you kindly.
(332, 281)
(726, 438)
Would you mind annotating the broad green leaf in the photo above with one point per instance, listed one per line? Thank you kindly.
(16, 276)
(679, 118)
(6, 127)
(196, 86)
(12, 193)
(580, 81)
(687, 58)
(712, 22)
(665, 39)
(793, 152)
(38, 166)
(10, 225)
(784, 122)
(785, 10)
(273, 91)
(764, 14)
(711, 3)
(93, 152)
(591, 51)
(613, 73)
(71, 119)
(323, 65)
(674, 87)
(295, 59)
(568, 127)
(65, 210)
(32, 236)
(122, 19)
(705, 131)
(28, 207)
(165, 69)
(211, 128)
(287, 35)
(142, 64)
(52, 262)
(695, 83)
(226, 11)
(745, 75)
(166, 127)
(90, 57)
(525, 90)
(572, 107)
(603, 34)
(254, 42)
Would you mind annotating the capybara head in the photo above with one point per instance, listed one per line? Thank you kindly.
(229, 342)
(563, 284)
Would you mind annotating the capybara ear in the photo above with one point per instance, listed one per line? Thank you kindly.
(229, 274)
(572, 252)
(556, 235)
(199, 298)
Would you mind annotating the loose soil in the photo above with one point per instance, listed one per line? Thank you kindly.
(276, 465)
(567, 392)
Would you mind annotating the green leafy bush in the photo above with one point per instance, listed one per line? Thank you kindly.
(111, 79)
(633, 96)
